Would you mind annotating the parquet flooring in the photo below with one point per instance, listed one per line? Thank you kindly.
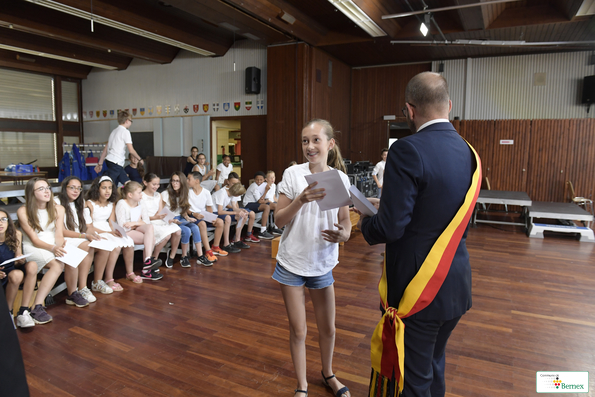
(223, 330)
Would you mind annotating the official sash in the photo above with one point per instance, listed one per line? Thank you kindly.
(388, 340)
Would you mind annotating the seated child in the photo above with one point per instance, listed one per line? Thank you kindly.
(271, 198)
(135, 170)
(12, 274)
(255, 200)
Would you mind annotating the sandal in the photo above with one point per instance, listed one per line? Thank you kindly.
(134, 278)
(344, 391)
(115, 286)
(301, 391)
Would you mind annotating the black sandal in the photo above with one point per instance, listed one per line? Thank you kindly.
(339, 392)
(300, 391)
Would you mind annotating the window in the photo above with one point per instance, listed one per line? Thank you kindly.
(70, 101)
(24, 147)
(26, 96)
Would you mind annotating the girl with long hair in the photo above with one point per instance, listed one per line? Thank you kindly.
(42, 221)
(309, 250)
(175, 197)
(13, 273)
(100, 201)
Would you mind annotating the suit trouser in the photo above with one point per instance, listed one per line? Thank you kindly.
(12, 370)
(425, 345)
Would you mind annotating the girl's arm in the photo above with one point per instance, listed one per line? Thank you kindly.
(223, 211)
(157, 215)
(191, 160)
(343, 228)
(287, 208)
(217, 177)
(19, 251)
(59, 235)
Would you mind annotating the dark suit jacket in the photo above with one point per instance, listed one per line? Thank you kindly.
(426, 179)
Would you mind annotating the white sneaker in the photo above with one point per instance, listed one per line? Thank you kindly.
(102, 287)
(25, 320)
(88, 295)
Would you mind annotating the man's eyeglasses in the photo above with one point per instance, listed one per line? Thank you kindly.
(43, 189)
(404, 110)
(75, 188)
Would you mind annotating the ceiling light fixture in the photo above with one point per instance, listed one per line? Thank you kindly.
(361, 19)
(495, 43)
(54, 5)
(57, 57)
(458, 7)
(290, 19)
(425, 25)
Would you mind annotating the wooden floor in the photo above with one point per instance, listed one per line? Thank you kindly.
(223, 330)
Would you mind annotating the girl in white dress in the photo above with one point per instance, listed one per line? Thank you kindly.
(76, 234)
(42, 223)
(100, 202)
(163, 230)
(133, 217)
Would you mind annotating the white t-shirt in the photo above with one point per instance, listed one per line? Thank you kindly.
(220, 197)
(200, 202)
(302, 250)
(254, 193)
(379, 171)
(116, 145)
(272, 193)
(225, 171)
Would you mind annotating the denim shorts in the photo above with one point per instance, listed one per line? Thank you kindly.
(286, 277)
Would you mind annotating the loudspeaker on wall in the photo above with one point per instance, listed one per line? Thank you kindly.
(252, 80)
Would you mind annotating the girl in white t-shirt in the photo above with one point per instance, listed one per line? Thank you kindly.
(308, 251)
(133, 217)
(202, 167)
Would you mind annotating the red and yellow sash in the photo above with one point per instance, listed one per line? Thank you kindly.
(388, 340)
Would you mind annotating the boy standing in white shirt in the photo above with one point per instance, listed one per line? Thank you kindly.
(223, 170)
(114, 152)
(378, 173)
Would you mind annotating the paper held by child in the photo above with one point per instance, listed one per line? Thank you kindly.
(361, 202)
(168, 214)
(18, 258)
(119, 228)
(335, 193)
(73, 257)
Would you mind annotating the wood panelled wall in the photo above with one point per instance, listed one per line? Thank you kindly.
(377, 92)
(297, 91)
(545, 154)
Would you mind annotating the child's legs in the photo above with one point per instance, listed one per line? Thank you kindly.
(219, 226)
(160, 246)
(294, 298)
(196, 237)
(185, 237)
(204, 235)
(143, 235)
(128, 253)
(30, 281)
(101, 258)
(266, 210)
(55, 268)
(226, 228)
(323, 301)
(15, 278)
(238, 235)
(251, 217)
(175, 243)
(111, 263)
(85, 266)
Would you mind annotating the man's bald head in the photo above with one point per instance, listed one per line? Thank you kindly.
(428, 92)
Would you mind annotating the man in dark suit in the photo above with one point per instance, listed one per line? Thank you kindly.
(426, 181)
(13, 382)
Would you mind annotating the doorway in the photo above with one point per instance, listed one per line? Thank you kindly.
(227, 139)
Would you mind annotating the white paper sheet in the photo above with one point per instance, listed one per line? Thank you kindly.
(336, 194)
(361, 202)
(103, 244)
(135, 213)
(74, 256)
(241, 222)
(119, 228)
(261, 188)
(14, 259)
(168, 214)
(209, 216)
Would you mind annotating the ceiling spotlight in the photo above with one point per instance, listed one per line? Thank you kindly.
(425, 25)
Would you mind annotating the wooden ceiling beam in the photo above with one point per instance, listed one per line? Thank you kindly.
(304, 28)
(140, 15)
(217, 12)
(26, 17)
(471, 18)
(375, 9)
(524, 16)
(32, 63)
(54, 47)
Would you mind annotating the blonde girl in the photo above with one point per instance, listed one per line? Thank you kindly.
(140, 229)
(42, 221)
(309, 251)
(164, 231)
(12, 274)
(100, 201)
